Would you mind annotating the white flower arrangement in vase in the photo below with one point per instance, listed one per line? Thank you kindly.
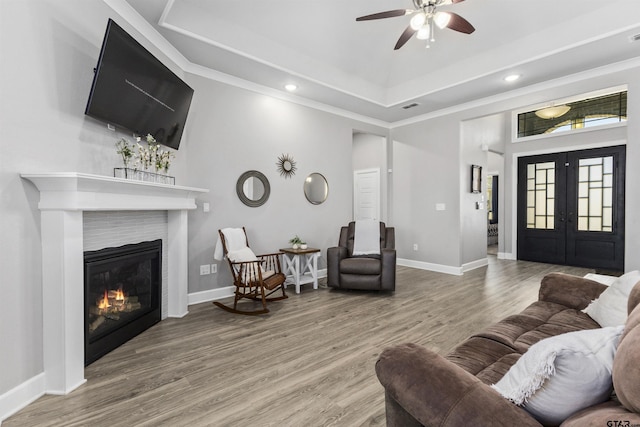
(145, 157)
(125, 150)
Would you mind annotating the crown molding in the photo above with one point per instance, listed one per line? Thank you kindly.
(126, 11)
(526, 90)
(230, 80)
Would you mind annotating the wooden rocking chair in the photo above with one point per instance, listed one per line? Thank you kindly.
(255, 277)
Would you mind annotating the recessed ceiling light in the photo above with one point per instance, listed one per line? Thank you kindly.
(512, 78)
(291, 87)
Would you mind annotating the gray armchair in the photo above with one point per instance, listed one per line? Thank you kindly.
(365, 272)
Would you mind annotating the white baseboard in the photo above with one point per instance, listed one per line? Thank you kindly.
(226, 292)
(17, 398)
(482, 262)
(507, 255)
(210, 295)
(439, 268)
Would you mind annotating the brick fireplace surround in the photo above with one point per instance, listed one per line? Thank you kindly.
(63, 199)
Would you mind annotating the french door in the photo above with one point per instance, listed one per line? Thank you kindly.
(571, 208)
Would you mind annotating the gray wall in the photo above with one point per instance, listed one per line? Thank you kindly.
(49, 48)
(370, 152)
(426, 171)
(430, 161)
(475, 133)
(495, 165)
(237, 130)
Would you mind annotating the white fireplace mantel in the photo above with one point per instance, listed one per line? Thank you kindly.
(63, 198)
(72, 191)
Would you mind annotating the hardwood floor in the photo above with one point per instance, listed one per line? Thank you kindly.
(309, 362)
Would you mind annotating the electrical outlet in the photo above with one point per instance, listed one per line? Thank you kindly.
(415, 246)
(214, 268)
(205, 269)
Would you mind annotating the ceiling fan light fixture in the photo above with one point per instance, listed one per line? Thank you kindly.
(442, 19)
(553, 112)
(424, 20)
(423, 33)
(418, 21)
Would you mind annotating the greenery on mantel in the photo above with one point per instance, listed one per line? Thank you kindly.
(144, 156)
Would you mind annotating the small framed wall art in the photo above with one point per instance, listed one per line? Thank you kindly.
(286, 166)
(476, 179)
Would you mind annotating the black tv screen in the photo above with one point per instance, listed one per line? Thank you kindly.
(134, 90)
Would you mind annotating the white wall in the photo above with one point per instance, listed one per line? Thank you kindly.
(49, 49)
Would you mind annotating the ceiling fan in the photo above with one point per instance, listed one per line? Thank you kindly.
(424, 18)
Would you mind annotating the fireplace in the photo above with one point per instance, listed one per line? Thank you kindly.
(64, 199)
(122, 295)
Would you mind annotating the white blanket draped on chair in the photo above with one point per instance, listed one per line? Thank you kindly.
(235, 240)
(366, 240)
(238, 251)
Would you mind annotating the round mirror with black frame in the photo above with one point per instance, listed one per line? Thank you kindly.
(253, 188)
(316, 188)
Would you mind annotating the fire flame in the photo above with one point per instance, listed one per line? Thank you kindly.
(119, 295)
(104, 302)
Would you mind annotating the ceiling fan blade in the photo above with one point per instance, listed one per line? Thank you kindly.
(456, 1)
(387, 14)
(458, 23)
(406, 35)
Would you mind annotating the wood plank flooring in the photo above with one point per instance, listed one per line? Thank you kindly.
(309, 362)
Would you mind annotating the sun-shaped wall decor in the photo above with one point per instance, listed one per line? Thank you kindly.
(286, 165)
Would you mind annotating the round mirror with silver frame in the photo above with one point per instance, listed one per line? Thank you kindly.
(253, 188)
(316, 188)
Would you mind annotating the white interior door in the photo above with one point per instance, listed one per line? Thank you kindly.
(366, 194)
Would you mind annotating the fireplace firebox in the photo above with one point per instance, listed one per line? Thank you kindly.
(122, 295)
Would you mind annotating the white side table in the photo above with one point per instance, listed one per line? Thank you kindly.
(301, 266)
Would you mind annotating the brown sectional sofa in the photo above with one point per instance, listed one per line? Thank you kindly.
(424, 388)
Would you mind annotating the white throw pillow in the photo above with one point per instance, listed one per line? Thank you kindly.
(610, 308)
(601, 278)
(242, 255)
(561, 375)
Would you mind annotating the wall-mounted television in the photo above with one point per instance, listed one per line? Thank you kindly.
(132, 89)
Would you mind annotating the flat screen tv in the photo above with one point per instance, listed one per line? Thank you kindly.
(134, 90)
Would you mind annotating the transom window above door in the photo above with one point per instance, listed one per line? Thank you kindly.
(572, 115)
